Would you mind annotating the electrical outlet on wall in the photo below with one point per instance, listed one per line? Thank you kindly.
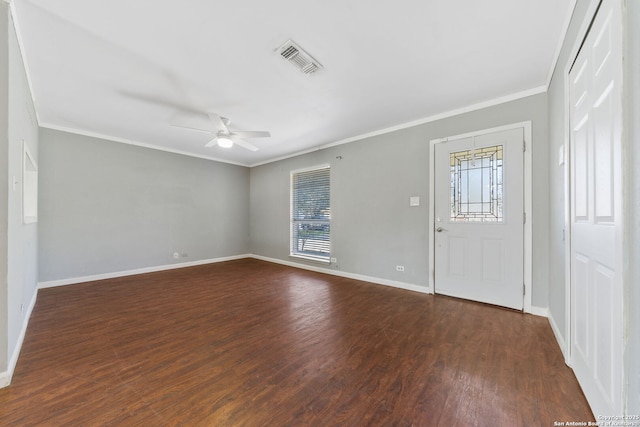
(399, 267)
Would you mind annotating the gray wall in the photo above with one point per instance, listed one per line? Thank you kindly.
(557, 138)
(4, 180)
(23, 238)
(373, 227)
(107, 207)
(18, 241)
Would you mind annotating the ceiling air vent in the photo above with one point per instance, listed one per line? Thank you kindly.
(298, 57)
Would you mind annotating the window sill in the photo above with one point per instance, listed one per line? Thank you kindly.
(323, 260)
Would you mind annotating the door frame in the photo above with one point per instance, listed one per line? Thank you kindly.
(527, 242)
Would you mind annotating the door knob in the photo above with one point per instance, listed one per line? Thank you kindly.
(440, 229)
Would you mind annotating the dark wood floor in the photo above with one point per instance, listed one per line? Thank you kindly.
(250, 343)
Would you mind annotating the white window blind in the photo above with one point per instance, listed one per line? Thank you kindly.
(311, 213)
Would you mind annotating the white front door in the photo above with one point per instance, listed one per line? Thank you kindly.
(479, 213)
(596, 213)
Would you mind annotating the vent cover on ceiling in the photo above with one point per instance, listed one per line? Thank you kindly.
(298, 57)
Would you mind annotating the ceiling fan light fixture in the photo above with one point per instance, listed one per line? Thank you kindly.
(225, 142)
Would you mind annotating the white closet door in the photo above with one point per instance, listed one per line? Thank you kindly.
(596, 213)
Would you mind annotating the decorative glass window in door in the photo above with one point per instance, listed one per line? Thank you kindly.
(476, 185)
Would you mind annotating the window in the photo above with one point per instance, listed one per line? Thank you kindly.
(29, 187)
(476, 185)
(311, 213)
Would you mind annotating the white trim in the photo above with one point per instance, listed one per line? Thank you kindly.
(565, 344)
(561, 343)
(374, 280)
(436, 117)
(563, 36)
(528, 204)
(6, 376)
(528, 209)
(18, 33)
(566, 349)
(539, 311)
(485, 132)
(292, 253)
(321, 260)
(431, 216)
(310, 168)
(26, 155)
(75, 280)
(447, 114)
(132, 142)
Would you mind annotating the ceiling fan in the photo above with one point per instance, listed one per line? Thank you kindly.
(225, 137)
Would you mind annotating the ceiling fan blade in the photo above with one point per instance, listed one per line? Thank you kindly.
(191, 128)
(251, 134)
(244, 144)
(161, 101)
(218, 122)
(211, 143)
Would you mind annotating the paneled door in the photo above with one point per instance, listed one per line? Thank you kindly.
(596, 213)
(479, 214)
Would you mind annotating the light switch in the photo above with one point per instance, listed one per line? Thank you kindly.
(414, 201)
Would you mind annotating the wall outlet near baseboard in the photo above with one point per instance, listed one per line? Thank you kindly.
(334, 260)
(399, 267)
(176, 255)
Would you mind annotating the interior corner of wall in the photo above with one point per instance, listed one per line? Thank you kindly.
(559, 336)
(5, 379)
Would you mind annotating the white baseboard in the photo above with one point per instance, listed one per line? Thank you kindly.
(376, 280)
(559, 338)
(91, 278)
(539, 311)
(75, 280)
(544, 312)
(6, 376)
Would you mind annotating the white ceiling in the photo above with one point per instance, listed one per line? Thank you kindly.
(129, 69)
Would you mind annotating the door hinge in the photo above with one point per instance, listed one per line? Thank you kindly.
(524, 145)
(524, 217)
(524, 289)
